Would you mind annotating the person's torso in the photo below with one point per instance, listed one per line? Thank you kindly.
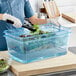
(12, 7)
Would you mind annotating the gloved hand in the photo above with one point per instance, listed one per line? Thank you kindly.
(11, 19)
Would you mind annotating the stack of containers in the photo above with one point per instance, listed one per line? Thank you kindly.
(37, 47)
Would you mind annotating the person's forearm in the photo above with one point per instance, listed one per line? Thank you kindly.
(37, 21)
(1, 16)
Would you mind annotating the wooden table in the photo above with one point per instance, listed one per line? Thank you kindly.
(61, 63)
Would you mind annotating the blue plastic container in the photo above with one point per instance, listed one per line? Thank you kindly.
(37, 47)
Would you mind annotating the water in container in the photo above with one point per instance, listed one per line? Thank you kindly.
(37, 47)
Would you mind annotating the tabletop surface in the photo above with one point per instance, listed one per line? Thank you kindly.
(61, 63)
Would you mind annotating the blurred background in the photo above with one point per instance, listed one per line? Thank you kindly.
(63, 6)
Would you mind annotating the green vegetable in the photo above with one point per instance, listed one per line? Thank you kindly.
(36, 26)
(38, 31)
(3, 65)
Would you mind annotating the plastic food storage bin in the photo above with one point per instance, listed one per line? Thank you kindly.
(37, 47)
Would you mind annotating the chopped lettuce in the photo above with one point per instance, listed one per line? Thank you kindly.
(3, 65)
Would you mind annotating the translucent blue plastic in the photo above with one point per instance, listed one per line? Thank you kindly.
(37, 47)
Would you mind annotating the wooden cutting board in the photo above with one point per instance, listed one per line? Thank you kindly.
(51, 9)
(61, 63)
(70, 16)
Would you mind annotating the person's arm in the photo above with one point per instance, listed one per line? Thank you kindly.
(1, 16)
(35, 20)
(28, 9)
(29, 13)
(38, 21)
